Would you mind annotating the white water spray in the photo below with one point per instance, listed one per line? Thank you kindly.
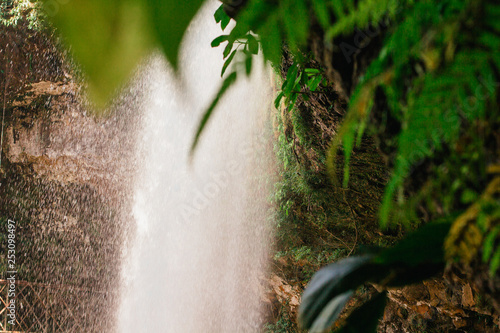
(198, 255)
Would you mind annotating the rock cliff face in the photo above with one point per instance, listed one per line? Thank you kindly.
(65, 179)
(54, 134)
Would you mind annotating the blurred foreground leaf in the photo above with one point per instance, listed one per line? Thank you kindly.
(107, 38)
(334, 282)
(170, 19)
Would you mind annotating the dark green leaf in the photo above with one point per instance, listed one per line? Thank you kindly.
(221, 16)
(227, 62)
(291, 76)
(292, 100)
(253, 45)
(298, 79)
(218, 40)
(225, 22)
(365, 318)
(422, 246)
(228, 48)
(304, 77)
(170, 19)
(403, 275)
(206, 116)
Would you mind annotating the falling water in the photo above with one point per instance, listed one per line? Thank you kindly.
(196, 261)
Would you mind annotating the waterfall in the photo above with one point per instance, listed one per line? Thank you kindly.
(196, 258)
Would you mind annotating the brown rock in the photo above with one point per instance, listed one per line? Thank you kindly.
(467, 296)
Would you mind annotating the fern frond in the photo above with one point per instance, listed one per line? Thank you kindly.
(365, 13)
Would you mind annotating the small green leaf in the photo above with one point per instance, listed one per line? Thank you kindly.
(253, 44)
(312, 71)
(228, 82)
(228, 48)
(221, 16)
(218, 40)
(292, 100)
(248, 64)
(278, 100)
(468, 196)
(314, 82)
(291, 76)
(227, 62)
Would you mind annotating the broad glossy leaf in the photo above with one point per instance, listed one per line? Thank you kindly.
(330, 313)
(329, 282)
(365, 318)
(425, 245)
(107, 38)
(170, 19)
(403, 275)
